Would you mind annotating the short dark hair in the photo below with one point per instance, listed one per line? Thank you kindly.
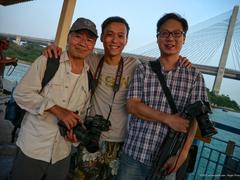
(115, 19)
(174, 16)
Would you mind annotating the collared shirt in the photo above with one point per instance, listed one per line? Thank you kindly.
(39, 135)
(145, 137)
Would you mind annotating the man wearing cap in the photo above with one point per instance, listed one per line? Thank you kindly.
(42, 152)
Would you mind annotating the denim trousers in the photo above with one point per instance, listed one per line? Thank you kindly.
(130, 169)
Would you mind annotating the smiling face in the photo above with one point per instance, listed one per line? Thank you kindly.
(80, 44)
(114, 38)
(170, 45)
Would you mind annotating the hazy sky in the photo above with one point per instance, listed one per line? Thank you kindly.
(39, 18)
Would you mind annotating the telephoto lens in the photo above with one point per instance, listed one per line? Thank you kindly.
(206, 126)
(200, 111)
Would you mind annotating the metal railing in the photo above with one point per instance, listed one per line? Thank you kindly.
(218, 160)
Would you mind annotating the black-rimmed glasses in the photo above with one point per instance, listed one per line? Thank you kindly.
(166, 34)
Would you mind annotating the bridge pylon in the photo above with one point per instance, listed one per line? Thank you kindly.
(224, 55)
(18, 40)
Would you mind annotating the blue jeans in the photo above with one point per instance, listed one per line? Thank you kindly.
(130, 169)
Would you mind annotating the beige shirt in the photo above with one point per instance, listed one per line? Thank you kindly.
(102, 98)
(39, 136)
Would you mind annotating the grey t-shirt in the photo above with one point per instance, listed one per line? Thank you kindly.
(103, 95)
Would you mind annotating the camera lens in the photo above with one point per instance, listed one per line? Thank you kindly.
(200, 110)
(89, 137)
(206, 126)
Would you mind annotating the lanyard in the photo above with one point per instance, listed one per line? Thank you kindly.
(118, 76)
(117, 82)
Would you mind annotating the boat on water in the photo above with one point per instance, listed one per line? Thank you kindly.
(225, 110)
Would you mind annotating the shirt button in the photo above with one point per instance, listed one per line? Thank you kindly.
(66, 86)
(63, 101)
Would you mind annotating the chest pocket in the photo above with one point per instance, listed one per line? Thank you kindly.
(57, 89)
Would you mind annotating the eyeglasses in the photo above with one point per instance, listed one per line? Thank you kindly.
(89, 41)
(166, 34)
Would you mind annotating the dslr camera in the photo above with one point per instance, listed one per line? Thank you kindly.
(90, 135)
(200, 110)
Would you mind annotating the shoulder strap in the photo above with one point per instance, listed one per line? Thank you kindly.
(51, 69)
(91, 81)
(156, 67)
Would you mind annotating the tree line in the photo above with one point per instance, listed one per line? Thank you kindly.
(223, 101)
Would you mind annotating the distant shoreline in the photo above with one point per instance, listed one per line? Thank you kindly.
(225, 109)
(24, 62)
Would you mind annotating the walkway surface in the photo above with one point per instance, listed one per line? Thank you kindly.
(7, 149)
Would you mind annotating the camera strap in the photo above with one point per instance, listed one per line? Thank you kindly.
(117, 82)
(156, 67)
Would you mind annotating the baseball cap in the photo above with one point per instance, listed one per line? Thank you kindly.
(84, 24)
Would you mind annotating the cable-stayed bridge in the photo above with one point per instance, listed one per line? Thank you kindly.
(213, 46)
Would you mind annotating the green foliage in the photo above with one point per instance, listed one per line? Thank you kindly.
(223, 101)
(28, 52)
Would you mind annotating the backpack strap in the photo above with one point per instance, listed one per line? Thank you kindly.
(91, 82)
(51, 69)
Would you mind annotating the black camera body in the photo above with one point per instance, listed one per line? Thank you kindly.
(200, 111)
(90, 135)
